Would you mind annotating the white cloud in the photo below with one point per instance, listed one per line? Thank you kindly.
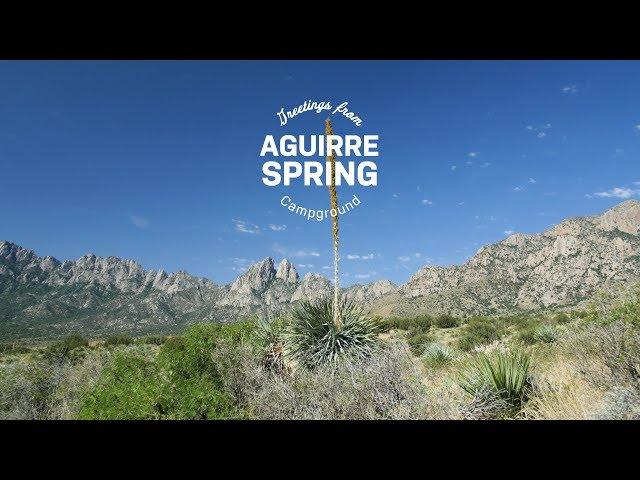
(539, 130)
(138, 221)
(300, 253)
(509, 232)
(637, 127)
(570, 89)
(618, 192)
(246, 227)
(395, 195)
(427, 202)
(369, 256)
(453, 168)
(404, 259)
(305, 265)
(277, 228)
(472, 154)
(364, 275)
(532, 180)
(460, 203)
(517, 189)
(636, 183)
(485, 165)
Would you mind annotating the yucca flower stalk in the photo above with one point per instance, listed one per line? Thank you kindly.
(333, 196)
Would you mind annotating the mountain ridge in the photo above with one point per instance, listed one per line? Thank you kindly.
(556, 268)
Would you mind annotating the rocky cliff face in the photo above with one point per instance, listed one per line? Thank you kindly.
(556, 268)
(41, 296)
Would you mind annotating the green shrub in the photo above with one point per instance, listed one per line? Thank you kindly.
(561, 318)
(127, 390)
(152, 340)
(63, 348)
(184, 382)
(479, 331)
(118, 340)
(12, 348)
(527, 332)
(269, 337)
(505, 374)
(313, 339)
(436, 355)
(418, 342)
(446, 321)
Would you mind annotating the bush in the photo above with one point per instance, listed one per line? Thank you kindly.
(446, 321)
(479, 331)
(118, 340)
(421, 322)
(152, 340)
(436, 355)
(12, 348)
(63, 348)
(184, 382)
(503, 374)
(313, 339)
(385, 385)
(418, 341)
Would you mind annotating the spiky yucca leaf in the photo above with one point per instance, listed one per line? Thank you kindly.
(269, 337)
(505, 373)
(313, 338)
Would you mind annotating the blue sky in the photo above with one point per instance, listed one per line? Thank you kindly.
(159, 161)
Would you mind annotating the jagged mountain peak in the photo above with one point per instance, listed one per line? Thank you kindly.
(287, 272)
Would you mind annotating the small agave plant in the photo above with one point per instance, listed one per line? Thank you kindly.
(269, 335)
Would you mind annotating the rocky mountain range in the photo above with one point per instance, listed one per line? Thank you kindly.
(41, 297)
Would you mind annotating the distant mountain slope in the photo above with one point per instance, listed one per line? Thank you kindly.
(41, 297)
(557, 268)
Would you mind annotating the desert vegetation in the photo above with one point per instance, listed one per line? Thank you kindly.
(570, 365)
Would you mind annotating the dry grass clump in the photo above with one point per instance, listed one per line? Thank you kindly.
(385, 385)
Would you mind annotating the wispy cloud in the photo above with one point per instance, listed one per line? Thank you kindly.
(570, 89)
(637, 127)
(540, 131)
(299, 253)
(404, 259)
(427, 202)
(305, 265)
(277, 228)
(395, 195)
(518, 189)
(472, 154)
(453, 168)
(532, 180)
(245, 227)
(138, 221)
(369, 256)
(618, 192)
(364, 276)
(509, 232)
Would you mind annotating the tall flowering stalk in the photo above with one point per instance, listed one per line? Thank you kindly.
(333, 195)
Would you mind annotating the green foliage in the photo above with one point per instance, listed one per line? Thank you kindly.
(152, 340)
(506, 374)
(421, 322)
(313, 339)
(12, 348)
(436, 355)
(184, 382)
(418, 341)
(119, 340)
(546, 334)
(128, 389)
(63, 348)
(479, 331)
(269, 338)
(446, 321)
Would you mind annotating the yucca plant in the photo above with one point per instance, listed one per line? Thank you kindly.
(269, 335)
(435, 354)
(313, 338)
(506, 374)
